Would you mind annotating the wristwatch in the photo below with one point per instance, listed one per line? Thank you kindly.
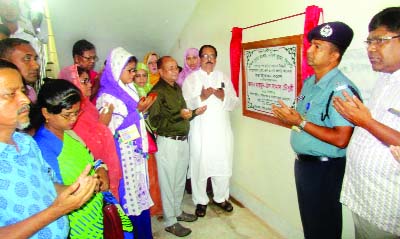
(302, 124)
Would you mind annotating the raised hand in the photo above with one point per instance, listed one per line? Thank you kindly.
(186, 114)
(200, 110)
(106, 114)
(77, 194)
(286, 114)
(104, 184)
(220, 93)
(352, 109)
(206, 92)
(146, 102)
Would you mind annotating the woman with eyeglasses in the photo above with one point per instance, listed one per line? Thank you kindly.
(91, 126)
(59, 106)
(150, 59)
(128, 127)
(143, 86)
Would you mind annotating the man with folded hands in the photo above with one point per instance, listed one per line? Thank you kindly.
(211, 136)
(320, 134)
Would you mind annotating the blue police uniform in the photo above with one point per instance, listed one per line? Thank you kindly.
(312, 106)
(320, 166)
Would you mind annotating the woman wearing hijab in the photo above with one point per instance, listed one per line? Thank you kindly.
(143, 87)
(150, 59)
(142, 79)
(59, 107)
(92, 126)
(191, 63)
(128, 127)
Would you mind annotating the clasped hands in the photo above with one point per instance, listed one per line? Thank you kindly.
(207, 92)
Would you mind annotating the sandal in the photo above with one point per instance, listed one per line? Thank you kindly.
(201, 210)
(226, 206)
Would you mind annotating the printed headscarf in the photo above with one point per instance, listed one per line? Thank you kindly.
(154, 78)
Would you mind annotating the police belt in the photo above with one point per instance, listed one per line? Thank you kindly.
(306, 157)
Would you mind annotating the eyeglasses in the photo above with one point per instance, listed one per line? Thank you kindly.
(91, 58)
(85, 81)
(140, 75)
(71, 115)
(211, 56)
(378, 41)
(133, 70)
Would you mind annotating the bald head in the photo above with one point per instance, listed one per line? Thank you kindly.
(168, 69)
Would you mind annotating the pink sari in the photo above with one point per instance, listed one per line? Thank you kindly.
(96, 135)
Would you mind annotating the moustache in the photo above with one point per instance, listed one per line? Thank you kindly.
(209, 62)
(23, 109)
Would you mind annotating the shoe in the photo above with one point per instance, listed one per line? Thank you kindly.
(201, 210)
(178, 230)
(226, 206)
(186, 217)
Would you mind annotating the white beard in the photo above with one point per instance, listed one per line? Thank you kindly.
(22, 126)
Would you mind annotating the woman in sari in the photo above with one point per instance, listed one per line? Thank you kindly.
(150, 59)
(92, 126)
(143, 87)
(191, 63)
(59, 107)
(128, 126)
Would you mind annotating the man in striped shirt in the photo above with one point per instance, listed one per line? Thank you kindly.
(371, 186)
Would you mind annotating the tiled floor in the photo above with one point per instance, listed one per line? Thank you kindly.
(217, 224)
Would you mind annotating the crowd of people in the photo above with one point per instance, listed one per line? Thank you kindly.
(140, 129)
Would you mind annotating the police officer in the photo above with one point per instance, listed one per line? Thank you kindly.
(320, 134)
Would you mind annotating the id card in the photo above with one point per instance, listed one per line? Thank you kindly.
(129, 134)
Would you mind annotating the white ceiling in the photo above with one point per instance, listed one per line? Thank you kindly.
(138, 26)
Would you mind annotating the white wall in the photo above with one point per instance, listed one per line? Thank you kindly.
(263, 178)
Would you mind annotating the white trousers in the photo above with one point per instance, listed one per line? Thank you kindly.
(220, 187)
(172, 164)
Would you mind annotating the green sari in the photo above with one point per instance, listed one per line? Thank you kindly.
(86, 222)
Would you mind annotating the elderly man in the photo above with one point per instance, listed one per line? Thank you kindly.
(211, 137)
(84, 55)
(321, 134)
(30, 206)
(169, 116)
(372, 179)
(21, 53)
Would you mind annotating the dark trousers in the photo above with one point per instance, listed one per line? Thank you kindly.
(318, 187)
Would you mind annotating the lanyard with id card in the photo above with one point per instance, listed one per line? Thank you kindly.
(128, 134)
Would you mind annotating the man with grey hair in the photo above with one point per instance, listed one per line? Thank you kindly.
(30, 207)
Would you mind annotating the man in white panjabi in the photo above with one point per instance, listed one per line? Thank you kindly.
(210, 136)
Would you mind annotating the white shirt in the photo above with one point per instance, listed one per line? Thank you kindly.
(371, 186)
(210, 135)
